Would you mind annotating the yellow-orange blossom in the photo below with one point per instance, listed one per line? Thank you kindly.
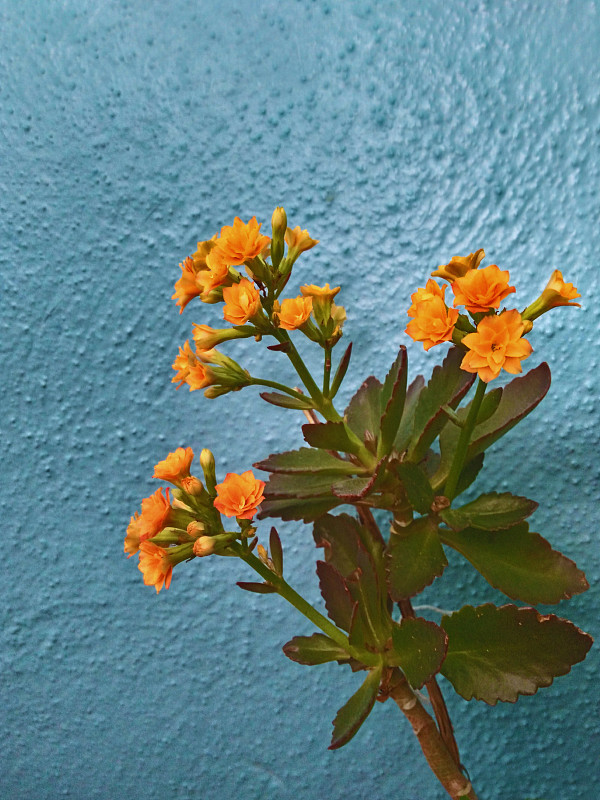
(496, 344)
(239, 495)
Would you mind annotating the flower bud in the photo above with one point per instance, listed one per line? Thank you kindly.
(204, 546)
(195, 528)
(192, 485)
(207, 462)
(278, 226)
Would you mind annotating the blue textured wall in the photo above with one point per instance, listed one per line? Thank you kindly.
(399, 134)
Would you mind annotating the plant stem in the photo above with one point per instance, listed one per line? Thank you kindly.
(302, 605)
(326, 370)
(437, 699)
(463, 442)
(280, 386)
(433, 746)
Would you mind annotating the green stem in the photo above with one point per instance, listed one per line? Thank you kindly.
(303, 606)
(326, 370)
(280, 386)
(463, 442)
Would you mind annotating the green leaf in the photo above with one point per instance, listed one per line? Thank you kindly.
(352, 715)
(352, 489)
(406, 423)
(304, 509)
(276, 551)
(446, 387)
(490, 512)
(298, 485)
(257, 588)
(341, 537)
(468, 473)
(287, 401)
(420, 647)
(416, 485)
(308, 459)
(315, 649)
(519, 398)
(415, 557)
(363, 413)
(393, 395)
(340, 372)
(489, 404)
(330, 436)
(501, 653)
(519, 563)
(335, 593)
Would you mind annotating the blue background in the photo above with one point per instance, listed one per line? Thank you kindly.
(399, 134)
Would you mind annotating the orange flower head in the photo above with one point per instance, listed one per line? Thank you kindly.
(202, 251)
(433, 322)
(154, 517)
(241, 242)
(298, 241)
(155, 566)
(188, 286)
(559, 293)
(482, 289)
(431, 290)
(496, 344)
(189, 369)
(175, 467)
(322, 292)
(242, 302)
(217, 270)
(458, 266)
(239, 495)
(294, 312)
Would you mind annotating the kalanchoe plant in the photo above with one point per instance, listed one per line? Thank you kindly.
(411, 449)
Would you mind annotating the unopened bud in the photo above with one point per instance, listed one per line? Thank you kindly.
(207, 462)
(192, 485)
(527, 325)
(204, 546)
(195, 528)
(262, 553)
(278, 226)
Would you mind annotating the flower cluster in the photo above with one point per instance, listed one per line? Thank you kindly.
(188, 525)
(253, 305)
(493, 338)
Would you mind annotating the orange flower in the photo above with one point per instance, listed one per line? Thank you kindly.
(482, 289)
(175, 466)
(458, 266)
(324, 292)
(191, 370)
(217, 269)
(431, 290)
(155, 566)
(188, 286)
(202, 251)
(154, 517)
(294, 312)
(241, 242)
(559, 293)
(433, 322)
(242, 302)
(298, 241)
(496, 344)
(239, 495)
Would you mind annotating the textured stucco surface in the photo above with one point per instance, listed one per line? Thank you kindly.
(399, 134)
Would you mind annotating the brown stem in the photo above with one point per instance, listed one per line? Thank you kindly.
(436, 697)
(433, 746)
